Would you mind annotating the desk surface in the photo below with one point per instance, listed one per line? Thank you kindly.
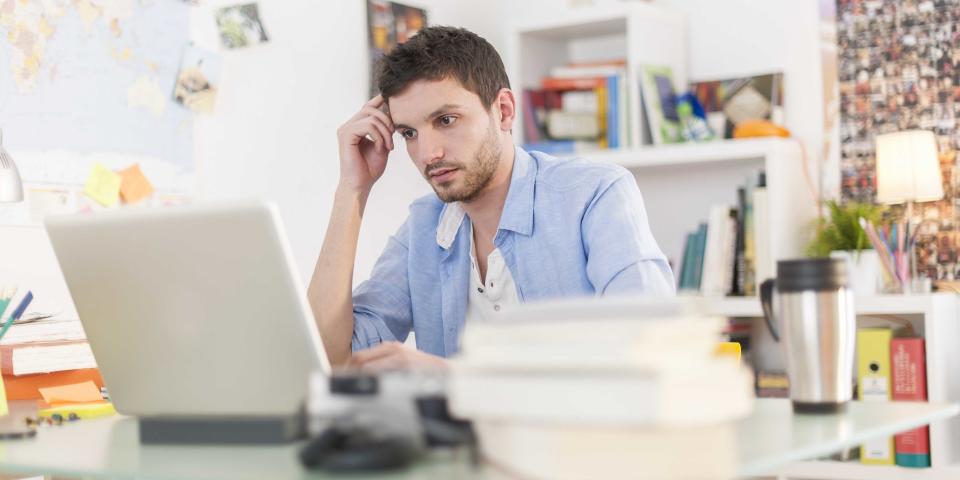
(770, 437)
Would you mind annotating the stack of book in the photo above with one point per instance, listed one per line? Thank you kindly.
(729, 254)
(45, 353)
(563, 389)
(892, 367)
(579, 107)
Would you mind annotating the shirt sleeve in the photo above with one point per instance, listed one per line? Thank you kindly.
(622, 255)
(381, 305)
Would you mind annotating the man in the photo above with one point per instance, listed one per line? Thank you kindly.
(505, 225)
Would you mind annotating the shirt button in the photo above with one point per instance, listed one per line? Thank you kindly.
(496, 308)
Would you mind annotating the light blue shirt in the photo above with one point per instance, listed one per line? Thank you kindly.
(568, 228)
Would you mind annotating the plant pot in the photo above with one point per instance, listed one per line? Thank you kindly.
(863, 269)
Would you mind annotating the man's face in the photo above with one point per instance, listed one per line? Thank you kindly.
(452, 138)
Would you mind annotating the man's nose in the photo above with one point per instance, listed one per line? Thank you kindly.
(432, 150)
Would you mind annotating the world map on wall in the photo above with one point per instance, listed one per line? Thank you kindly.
(94, 77)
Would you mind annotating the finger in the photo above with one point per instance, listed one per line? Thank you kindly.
(386, 131)
(394, 361)
(383, 349)
(360, 131)
(375, 102)
(382, 116)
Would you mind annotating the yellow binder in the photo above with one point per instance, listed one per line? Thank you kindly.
(873, 371)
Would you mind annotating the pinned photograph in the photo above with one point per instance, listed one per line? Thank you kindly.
(240, 26)
(388, 25)
(197, 81)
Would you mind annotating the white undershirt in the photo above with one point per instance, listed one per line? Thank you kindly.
(486, 300)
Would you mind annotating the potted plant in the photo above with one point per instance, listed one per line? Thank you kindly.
(841, 236)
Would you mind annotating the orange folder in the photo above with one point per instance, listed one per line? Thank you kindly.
(27, 387)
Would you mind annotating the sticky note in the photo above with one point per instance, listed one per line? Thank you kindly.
(103, 185)
(4, 409)
(134, 185)
(73, 393)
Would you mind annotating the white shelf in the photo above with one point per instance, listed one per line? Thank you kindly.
(870, 305)
(853, 470)
(719, 151)
(565, 24)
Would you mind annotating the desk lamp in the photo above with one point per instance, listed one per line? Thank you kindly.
(908, 171)
(11, 188)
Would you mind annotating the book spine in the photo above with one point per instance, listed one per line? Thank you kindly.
(532, 133)
(908, 369)
(6, 360)
(613, 113)
(739, 266)
(585, 83)
(686, 264)
(873, 367)
(699, 253)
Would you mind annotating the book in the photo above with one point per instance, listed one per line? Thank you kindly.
(45, 357)
(698, 252)
(615, 397)
(908, 370)
(686, 263)
(873, 369)
(562, 124)
(44, 331)
(660, 104)
(573, 83)
(719, 250)
(27, 387)
(565, 452)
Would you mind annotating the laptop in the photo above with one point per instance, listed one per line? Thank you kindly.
(192, 311)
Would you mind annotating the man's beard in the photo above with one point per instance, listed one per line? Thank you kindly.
(475, 178)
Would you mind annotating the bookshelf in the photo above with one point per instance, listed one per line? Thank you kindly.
(679, 182)
(638, 33)
(936, 317)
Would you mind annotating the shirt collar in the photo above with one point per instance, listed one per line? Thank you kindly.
(517, 213)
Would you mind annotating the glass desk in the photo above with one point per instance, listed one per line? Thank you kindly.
(770, 437)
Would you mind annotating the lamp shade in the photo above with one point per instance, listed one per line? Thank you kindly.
(908, 168)
(11, 187)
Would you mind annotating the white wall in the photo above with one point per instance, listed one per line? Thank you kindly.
(274, 132)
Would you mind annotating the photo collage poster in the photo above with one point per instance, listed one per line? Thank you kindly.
(899, 69)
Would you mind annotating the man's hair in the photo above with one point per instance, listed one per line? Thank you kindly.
(436, 53)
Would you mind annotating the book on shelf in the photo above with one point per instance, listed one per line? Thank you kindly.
(773, 384)
(908, 371)
(873, 371)
(722, 256)
(558, 111)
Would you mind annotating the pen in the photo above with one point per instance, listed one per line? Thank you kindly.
(17, 312)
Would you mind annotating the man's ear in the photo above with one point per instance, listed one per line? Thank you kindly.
(506, 106)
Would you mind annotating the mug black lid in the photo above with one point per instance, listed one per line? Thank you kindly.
(811, 274)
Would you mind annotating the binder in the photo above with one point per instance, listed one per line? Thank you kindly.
(873, 367)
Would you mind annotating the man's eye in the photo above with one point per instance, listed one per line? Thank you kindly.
(447, 120)
(408, 134)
